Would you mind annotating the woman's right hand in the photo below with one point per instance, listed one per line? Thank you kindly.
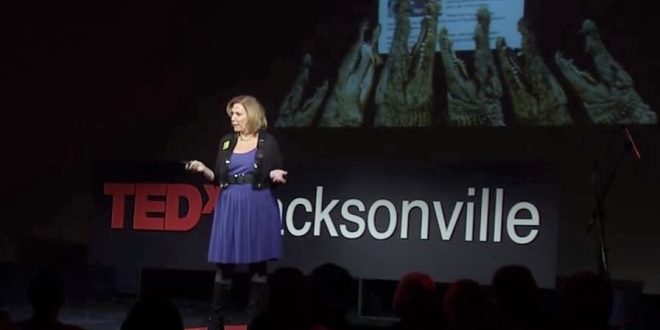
(195, 166)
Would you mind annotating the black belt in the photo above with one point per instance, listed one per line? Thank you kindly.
(242, 178)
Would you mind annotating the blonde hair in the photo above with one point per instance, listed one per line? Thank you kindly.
(256, 115)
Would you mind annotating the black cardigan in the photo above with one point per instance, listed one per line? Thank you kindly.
(268, 158)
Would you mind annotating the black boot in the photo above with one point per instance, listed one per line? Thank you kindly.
(221, 296)
(258, 302)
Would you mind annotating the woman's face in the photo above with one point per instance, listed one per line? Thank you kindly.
(238, 116)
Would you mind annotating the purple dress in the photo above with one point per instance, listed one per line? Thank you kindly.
(246, 222)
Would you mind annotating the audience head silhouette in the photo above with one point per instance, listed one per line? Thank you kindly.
(415, 299)
(46, 294)
(515, 293)
(585, 301)
(287, 307)
(153, 313)
(287, 288)
(330, 288)
(466, 306)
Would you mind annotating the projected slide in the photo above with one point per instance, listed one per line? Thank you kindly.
(392, 76)
(457, 16)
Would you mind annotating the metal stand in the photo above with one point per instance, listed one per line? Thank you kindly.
(601, 187)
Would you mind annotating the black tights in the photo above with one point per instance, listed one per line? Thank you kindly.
(227, 270)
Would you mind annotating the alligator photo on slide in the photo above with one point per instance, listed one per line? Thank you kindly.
(291, 112)
(609, 97)
(537, 98)
(472, 101)
(355, 77)
(404, 95)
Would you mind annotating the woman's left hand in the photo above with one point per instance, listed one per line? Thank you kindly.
(277, 176)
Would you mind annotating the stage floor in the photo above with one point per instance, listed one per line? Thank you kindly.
(109, 314)
(92, 305)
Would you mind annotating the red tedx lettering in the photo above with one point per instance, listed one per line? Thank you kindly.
(118, 191)
(157, 206)
(212, 191)
(144, 205)
(187, 222)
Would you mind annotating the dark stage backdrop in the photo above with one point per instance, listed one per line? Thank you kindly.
(149, 81)
(378, 218)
